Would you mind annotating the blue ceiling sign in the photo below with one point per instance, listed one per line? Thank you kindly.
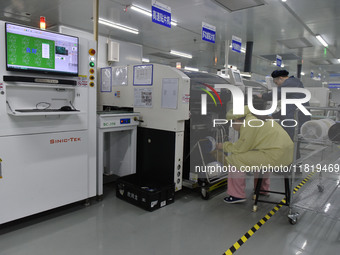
(161, 14)
(236, 44)
(278, 60)
(334, 85)
(208, 32)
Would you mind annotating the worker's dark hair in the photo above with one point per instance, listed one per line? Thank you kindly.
(278, 73)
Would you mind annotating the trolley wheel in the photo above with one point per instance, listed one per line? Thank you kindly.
(254, 208)
(205, 194)
(292, 221)
(321, 188)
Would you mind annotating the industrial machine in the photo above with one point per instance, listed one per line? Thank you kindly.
(170, 105)
(48, 120)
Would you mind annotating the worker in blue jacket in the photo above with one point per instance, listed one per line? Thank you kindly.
(282, 80)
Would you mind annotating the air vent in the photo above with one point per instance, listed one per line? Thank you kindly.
(321, 62)
(236, 5)
(164, 55)
(296, 43)
(288, 56)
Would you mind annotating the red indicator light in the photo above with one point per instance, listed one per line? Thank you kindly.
(42, 23)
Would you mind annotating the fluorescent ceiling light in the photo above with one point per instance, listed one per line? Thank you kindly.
(284, 1)
(181, 54)
(191, 69)
(118, 26)
(141, 10)
(146, 60)
(173, 23)
(323, 42)
(148, 13)
(338, 59)
(302, 73)
(327, 208)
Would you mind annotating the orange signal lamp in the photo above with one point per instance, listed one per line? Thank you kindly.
(92, 52)
(42, 23)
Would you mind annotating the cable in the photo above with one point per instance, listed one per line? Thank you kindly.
(72, 106)
(9, 106)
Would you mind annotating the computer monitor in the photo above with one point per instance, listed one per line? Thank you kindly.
(34, 50)
(235, 77)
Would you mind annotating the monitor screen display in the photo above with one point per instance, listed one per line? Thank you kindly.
(34, 50)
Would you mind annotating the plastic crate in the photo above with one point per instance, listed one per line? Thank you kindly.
(144, 193)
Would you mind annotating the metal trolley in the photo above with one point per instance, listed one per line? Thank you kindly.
(209, 182)
(330, 154)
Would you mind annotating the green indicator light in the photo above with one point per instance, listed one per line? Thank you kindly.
(91, 64)
(325, 51)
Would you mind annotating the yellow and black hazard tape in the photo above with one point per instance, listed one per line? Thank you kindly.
(258, 225)
(219, 184)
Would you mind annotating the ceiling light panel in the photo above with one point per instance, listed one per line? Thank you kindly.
(181, 54)
(321, 40)
(118, 26)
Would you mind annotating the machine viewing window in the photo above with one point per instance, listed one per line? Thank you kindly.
(34, 50)
(235, 77)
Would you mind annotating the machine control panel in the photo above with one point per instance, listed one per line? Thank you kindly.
(117, 120)
(125, 121)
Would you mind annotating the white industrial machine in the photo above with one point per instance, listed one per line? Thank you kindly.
(160, 94)
(48, 120)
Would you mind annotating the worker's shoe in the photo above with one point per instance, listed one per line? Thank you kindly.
(234, 200)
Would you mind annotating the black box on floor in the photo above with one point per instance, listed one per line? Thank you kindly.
(144, 193)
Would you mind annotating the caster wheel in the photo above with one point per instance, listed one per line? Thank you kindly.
(292, 221)
(320, 188)
(205, 194)
(87, 202)
(254, 208)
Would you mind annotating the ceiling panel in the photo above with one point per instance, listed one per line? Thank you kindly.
(236, 5)
(288, 56)
(296, 43)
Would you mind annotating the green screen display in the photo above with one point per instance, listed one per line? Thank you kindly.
(29, 51)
